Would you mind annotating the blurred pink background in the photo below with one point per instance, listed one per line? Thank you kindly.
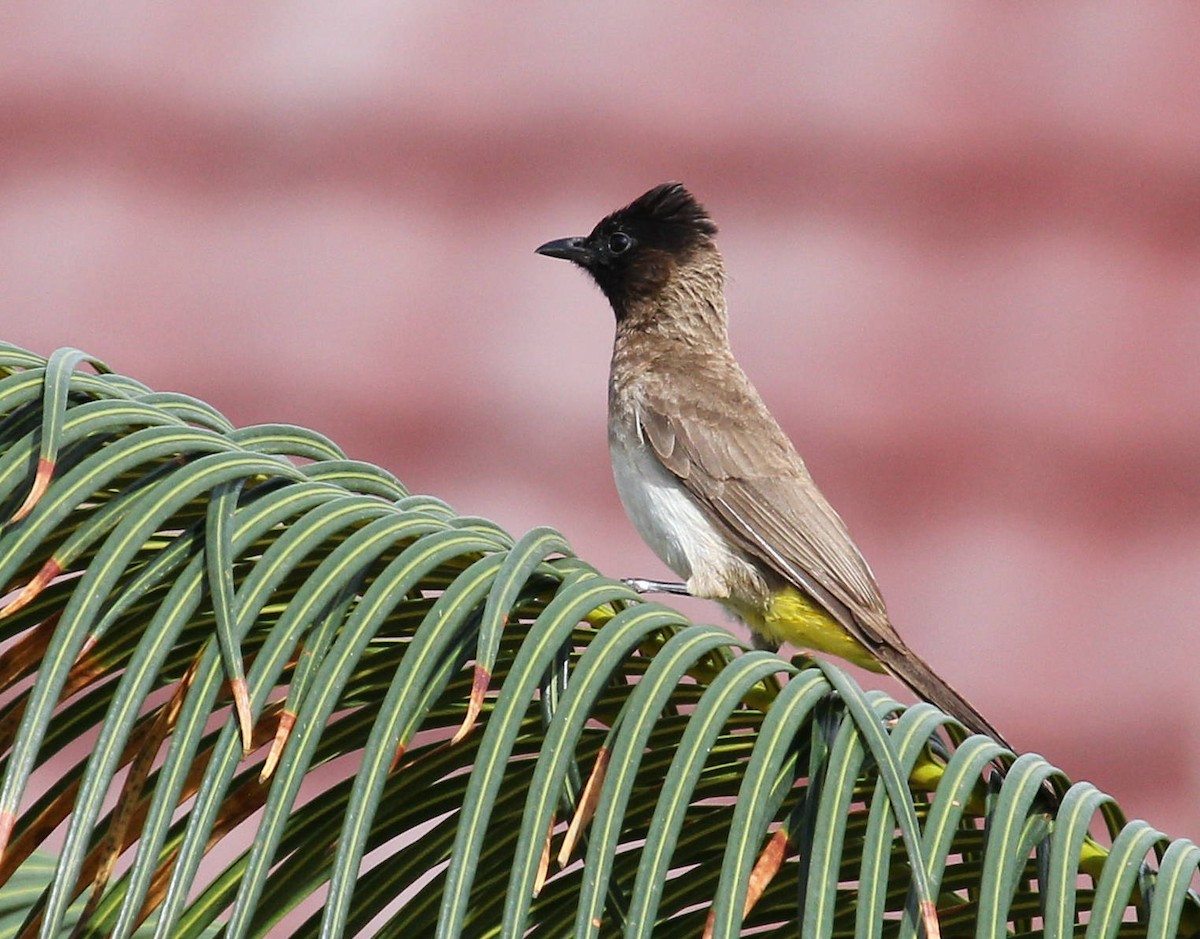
(964, 250)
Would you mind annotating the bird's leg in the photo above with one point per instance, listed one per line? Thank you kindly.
(655, 586)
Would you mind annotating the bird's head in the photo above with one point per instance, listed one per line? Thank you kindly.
(634, 253)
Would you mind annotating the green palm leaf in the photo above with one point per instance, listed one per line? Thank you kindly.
(446, 731)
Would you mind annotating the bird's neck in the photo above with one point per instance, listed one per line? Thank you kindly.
(688, 307)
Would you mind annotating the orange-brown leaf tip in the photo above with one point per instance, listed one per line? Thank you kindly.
(401, 749)
(88, 644)
(539, 881)
(41, 482)
(479, 687)
(287, 720)
(586, 807)
(7, 821)
(929, 917)
(765, 869)
(29, 592)
(241, 704)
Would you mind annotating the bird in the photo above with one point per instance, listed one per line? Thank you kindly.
(707, 476)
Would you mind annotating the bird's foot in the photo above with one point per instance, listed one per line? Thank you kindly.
(655, 586)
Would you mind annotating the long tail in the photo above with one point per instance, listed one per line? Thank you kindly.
(925, 683)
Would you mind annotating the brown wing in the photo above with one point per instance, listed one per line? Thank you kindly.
(744, 472)
(748, 475)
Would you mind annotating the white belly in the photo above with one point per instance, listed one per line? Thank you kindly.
(669, 520)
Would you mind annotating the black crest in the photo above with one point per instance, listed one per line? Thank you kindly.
(666, 217)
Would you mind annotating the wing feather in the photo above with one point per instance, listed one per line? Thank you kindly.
(750, 478)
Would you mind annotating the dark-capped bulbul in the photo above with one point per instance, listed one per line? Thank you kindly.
(706, 475)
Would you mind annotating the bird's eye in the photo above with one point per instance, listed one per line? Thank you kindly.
(619, 243)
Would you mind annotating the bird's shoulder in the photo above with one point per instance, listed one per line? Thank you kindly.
(696, 407)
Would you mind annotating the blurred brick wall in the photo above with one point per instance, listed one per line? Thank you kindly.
(964, 246)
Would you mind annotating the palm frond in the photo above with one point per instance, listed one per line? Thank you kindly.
(445, 731)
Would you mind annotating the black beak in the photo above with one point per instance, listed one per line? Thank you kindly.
(569, 249)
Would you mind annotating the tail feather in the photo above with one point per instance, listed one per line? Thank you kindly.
(906, 665)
